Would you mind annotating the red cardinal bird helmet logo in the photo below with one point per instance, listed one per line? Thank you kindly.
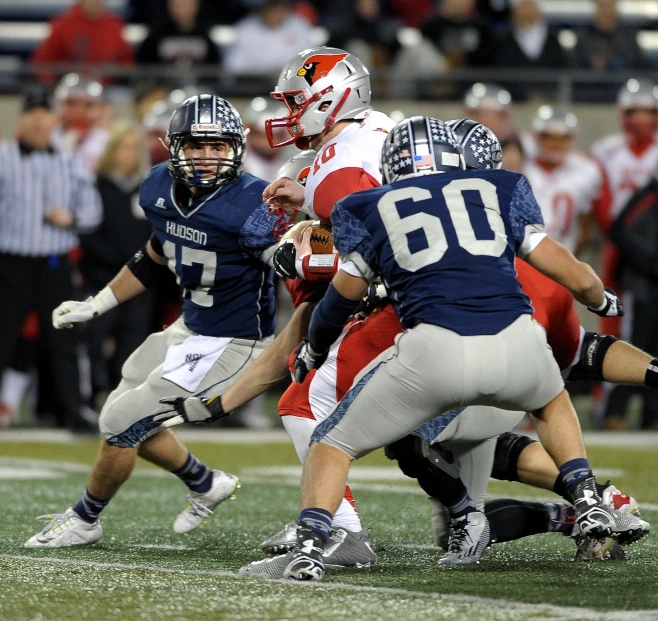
(319, 66)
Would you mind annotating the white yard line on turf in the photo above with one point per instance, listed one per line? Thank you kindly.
(564, 612)
(633, 439)
(273, 475)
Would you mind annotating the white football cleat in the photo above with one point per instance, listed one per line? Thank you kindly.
(200, 506)
(470, 538)
(612, 497)
(65, 530)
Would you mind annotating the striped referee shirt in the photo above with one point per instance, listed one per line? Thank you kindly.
(31, 184)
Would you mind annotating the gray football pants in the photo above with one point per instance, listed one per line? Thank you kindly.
(431, 369)
(127, 416)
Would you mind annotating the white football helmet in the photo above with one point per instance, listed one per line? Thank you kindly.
(320, 87)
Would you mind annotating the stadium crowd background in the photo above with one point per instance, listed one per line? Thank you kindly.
(112, 71)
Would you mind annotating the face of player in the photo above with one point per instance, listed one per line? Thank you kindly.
(552, 149)
(79, 113)
(206, 152)
(127, 155)
(640, 123)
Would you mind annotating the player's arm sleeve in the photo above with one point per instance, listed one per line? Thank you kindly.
(525, 218)
(86, 204)
(354, 243)
(259, 232)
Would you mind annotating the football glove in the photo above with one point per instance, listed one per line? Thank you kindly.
(69, 313)
(376, 296)
(611, 306)
(284, 260)
(305, 360)
(190, 409)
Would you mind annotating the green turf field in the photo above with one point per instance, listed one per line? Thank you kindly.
(141, 570)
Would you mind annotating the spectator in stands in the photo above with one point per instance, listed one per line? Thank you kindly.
(267, 39)
(372, 36)
(459, 34)
(124, 230)
(180, 39)
(412, 13)
(86, 34)
(81, 112)
(606, 45)
(211, 12)
(495, 12)
(529, 43)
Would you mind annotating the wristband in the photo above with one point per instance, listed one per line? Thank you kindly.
(605, 302)
(104, 301)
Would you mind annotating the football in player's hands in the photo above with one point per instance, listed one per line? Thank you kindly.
(321, 240)
(611, 307)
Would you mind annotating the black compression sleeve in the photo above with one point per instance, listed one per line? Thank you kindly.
(143, 266)
(513, 519)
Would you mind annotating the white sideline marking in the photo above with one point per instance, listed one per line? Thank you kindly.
(22, 474)
(274, 475)
(631, 439)
(565, 612)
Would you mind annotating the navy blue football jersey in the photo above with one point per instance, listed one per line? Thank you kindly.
(214, 246)
(445, 244)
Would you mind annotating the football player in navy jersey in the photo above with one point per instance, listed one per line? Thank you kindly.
(211, 227)
(444, 239)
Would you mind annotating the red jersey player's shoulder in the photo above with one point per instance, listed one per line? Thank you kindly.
(606, 146)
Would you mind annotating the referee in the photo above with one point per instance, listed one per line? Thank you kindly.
(46, 197)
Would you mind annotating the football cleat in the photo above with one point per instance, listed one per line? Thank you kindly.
(284, 541)
(597, 521)
(612, 497)
(346, 548)
(470, 538)
(305, 562)
(590, 550)
(65, 530)
(200, 505)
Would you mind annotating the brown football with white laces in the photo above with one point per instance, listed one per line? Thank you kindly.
(322, 241)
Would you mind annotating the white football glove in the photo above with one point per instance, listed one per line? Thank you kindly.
(71, 312)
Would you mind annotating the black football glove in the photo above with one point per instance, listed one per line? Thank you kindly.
(284, 261)
(305, 361)
(612, 307)
(191, 409)
(376, 296)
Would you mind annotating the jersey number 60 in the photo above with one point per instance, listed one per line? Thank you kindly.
(399, 228)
